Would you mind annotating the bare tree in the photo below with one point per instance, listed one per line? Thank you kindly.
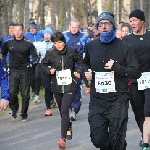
(26, 15)
(41, 12)
(61, 15)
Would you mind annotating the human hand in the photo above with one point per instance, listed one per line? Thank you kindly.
(77, 74)
(88, 75)
(3, 104)
(52, 71)
(109, 64)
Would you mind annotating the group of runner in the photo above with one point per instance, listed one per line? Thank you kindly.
(115, 69)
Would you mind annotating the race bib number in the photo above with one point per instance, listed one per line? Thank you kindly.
(104, 82)
(144, 81)
(64, 77)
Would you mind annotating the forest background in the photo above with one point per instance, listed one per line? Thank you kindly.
(58, 13)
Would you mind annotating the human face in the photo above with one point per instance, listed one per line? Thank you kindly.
(11, 30)
(91, 28)
(124, 31)
(118, 34)
(32, 30)
(47, 37)
(18, 32)
(59, 45)
(136, 24)
(96, 31)
(105, 26)
(74, 27)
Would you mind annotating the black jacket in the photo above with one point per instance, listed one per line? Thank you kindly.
(125, 65)
(19, 51)
(54, 58)
(141, 47)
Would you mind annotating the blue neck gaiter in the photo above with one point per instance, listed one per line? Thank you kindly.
(108, 36)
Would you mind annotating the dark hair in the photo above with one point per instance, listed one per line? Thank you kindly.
(121, 22)
(126, 25)
(11, 24)
(19, 24)
(58, 36)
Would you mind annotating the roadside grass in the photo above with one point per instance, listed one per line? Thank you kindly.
(20, 100)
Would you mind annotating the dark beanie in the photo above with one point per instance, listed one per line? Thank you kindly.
(106, 16)
(33, 25)
(137, 13)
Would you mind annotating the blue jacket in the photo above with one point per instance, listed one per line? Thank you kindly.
(38, 36)
(4, 83)
(77, 41)
(42, 47)
(6, 38)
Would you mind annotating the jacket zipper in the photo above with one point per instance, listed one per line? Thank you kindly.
(62, 69)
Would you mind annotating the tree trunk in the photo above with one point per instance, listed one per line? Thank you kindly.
(41, 15)
(53, 13)
(26, 15)
(61, 15)
(21, 6)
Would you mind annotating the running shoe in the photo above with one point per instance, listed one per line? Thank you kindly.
(144, 148)
(53, 105)
(48, 112)
(36, 99)
(73, 115)
(87, 90)
(140, 142)
(10, 112)
(56, 104)
(62, 143)
(14, 116)
(24, 119)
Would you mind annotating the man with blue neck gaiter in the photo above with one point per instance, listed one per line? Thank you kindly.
(109, 63)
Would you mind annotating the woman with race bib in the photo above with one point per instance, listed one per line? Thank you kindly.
(59, 62)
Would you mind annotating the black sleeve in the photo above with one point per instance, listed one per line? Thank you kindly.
(4, 54)
(131, 69)
(86, 60)
(34, 54)
(46, 62)
(79, 60)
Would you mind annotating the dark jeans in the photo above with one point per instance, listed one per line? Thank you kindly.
(19, 80)
(46, 80)
(64, 101)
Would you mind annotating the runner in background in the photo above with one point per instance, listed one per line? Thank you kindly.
(139, 40)
(77, 40)
(42, 48)
(34, 36)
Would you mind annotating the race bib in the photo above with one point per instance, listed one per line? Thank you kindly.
(144, 81)
(104, 82)
(64, 77)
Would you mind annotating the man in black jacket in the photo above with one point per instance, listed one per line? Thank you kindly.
(20, 49)
(139, 40)
(111, 62)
